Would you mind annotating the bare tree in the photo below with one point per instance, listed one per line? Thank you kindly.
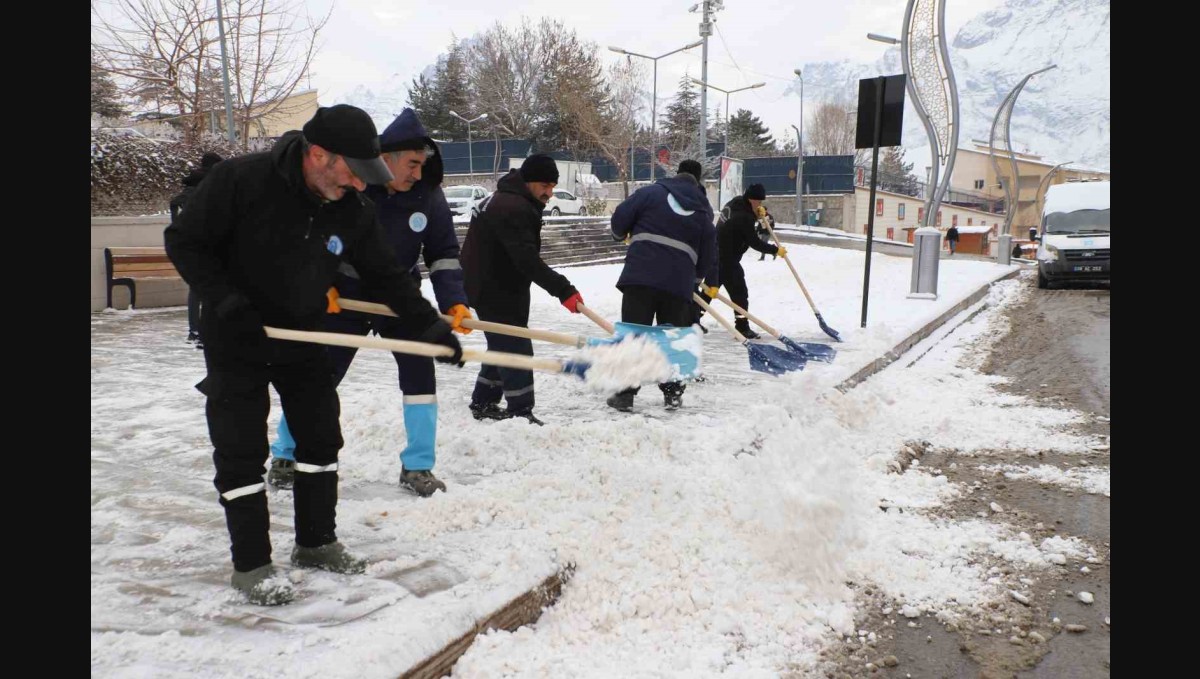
(166, 53)
(613, 130)
(830, 129)
(504, 73)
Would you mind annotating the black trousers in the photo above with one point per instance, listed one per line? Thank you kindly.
(515, 385)
(237, 407)
(650, 306)
(193, 304)
(733, 278)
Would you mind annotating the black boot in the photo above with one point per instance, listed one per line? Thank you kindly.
(743, 326)
(622, 401)
(489, 411)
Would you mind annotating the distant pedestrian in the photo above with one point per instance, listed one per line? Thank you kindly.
(952, 239)
(190, 182)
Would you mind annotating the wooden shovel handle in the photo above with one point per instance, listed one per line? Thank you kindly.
(774, 333)
(787, 261)
(576, 341)
(498, 358)
(596, 318)
(720, 319)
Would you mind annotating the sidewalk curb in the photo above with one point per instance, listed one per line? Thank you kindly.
(911, 341)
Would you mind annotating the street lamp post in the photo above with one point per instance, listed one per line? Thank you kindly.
(800, 152)
(470, 151)
(653, 100)
(727, 93)
(1012, 196)
(225, 75)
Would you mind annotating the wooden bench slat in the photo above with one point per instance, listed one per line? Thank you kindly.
(122, 251)
(143, 275)
(140, 259)
(117, 269)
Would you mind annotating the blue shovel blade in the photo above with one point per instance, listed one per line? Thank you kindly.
(813, 351)
(773, 360)
(680, 345)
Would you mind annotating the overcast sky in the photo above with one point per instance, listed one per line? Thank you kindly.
(382, 44)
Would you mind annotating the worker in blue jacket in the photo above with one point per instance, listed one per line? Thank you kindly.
(417, 222)
(672, 250)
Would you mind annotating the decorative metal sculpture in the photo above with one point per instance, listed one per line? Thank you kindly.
(1041, 192)
(1004, 116)
(932, 89)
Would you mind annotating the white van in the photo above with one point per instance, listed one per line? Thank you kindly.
(1075, 232)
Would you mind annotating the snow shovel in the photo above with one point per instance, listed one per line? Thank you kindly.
(812, 351)
(764, 359)
(820, 321)
(681, 346)
(499, 358)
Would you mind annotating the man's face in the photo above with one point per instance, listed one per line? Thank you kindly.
(406, 168)
(328, 175)
(543, 191)
(754, 204)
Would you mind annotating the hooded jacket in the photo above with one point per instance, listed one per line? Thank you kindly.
(253, 228)
(672, 241)
(190, 183)
(735, 232)
(502, 251)
(415, 222)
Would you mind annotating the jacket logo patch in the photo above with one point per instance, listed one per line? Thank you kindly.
(677, 208)
(417, 221)
(334, 245)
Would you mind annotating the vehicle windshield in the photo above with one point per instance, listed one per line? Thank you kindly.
(1077, 221)
(459, 192)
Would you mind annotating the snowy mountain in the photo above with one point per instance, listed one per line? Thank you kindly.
(1061, 115)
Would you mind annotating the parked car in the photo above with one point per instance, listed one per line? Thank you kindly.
(564, 203)
(464, 199)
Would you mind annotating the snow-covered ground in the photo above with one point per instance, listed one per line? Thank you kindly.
(714, 540)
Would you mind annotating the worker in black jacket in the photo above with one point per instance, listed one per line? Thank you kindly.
(261, 240)
(735, 234)
(190, 182)
(501, 258)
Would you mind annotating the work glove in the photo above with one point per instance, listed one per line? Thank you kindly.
(571, 299)
(239, 315)
(781, 251)
(460, 312)
(628, 238)
(332, 307)
(710, 291)
(440, 333)
(760, 211)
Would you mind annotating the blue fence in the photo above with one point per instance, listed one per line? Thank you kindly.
(456, 156)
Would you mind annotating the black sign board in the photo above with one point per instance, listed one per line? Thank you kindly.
(893, 112)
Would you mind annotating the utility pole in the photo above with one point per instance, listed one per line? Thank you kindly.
(707, 7)
(225, 76)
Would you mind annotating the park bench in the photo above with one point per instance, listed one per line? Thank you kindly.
(127, 266)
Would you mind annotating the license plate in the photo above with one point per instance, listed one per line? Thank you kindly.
(1088, 268)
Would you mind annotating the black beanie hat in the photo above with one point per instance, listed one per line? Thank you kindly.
(209, 159)
(692, 167)
(756, 192)
(349, 132)
(539, 168)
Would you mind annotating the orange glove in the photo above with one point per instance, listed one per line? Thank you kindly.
(334, 307)
(760, 211)
(459, 312)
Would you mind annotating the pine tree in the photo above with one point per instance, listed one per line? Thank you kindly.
(105, 97)
(895, 175)
(681, 121)
(434, 98)
(748, 136)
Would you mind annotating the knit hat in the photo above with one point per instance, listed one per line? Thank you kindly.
(755, 192)
(349, 132)
(209, 159)
(691, 167)
(539, 168)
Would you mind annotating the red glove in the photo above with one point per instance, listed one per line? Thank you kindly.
(572, 303)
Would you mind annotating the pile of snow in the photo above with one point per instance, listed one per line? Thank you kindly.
(632, 362)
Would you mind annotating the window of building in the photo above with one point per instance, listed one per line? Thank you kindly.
(900, 211)
(979, 183)
(878, 207)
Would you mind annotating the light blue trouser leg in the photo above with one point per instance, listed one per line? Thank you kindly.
(284, 447)
(420, 424)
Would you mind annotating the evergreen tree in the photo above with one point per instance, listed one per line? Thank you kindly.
(105, 97)
(434, 98)
(748, 137)
(895, 175)
(680, 124)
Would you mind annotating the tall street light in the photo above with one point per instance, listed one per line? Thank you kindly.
(727, 93)
(225, 76)
(653, 99)
(800, 151)
(470, 151)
